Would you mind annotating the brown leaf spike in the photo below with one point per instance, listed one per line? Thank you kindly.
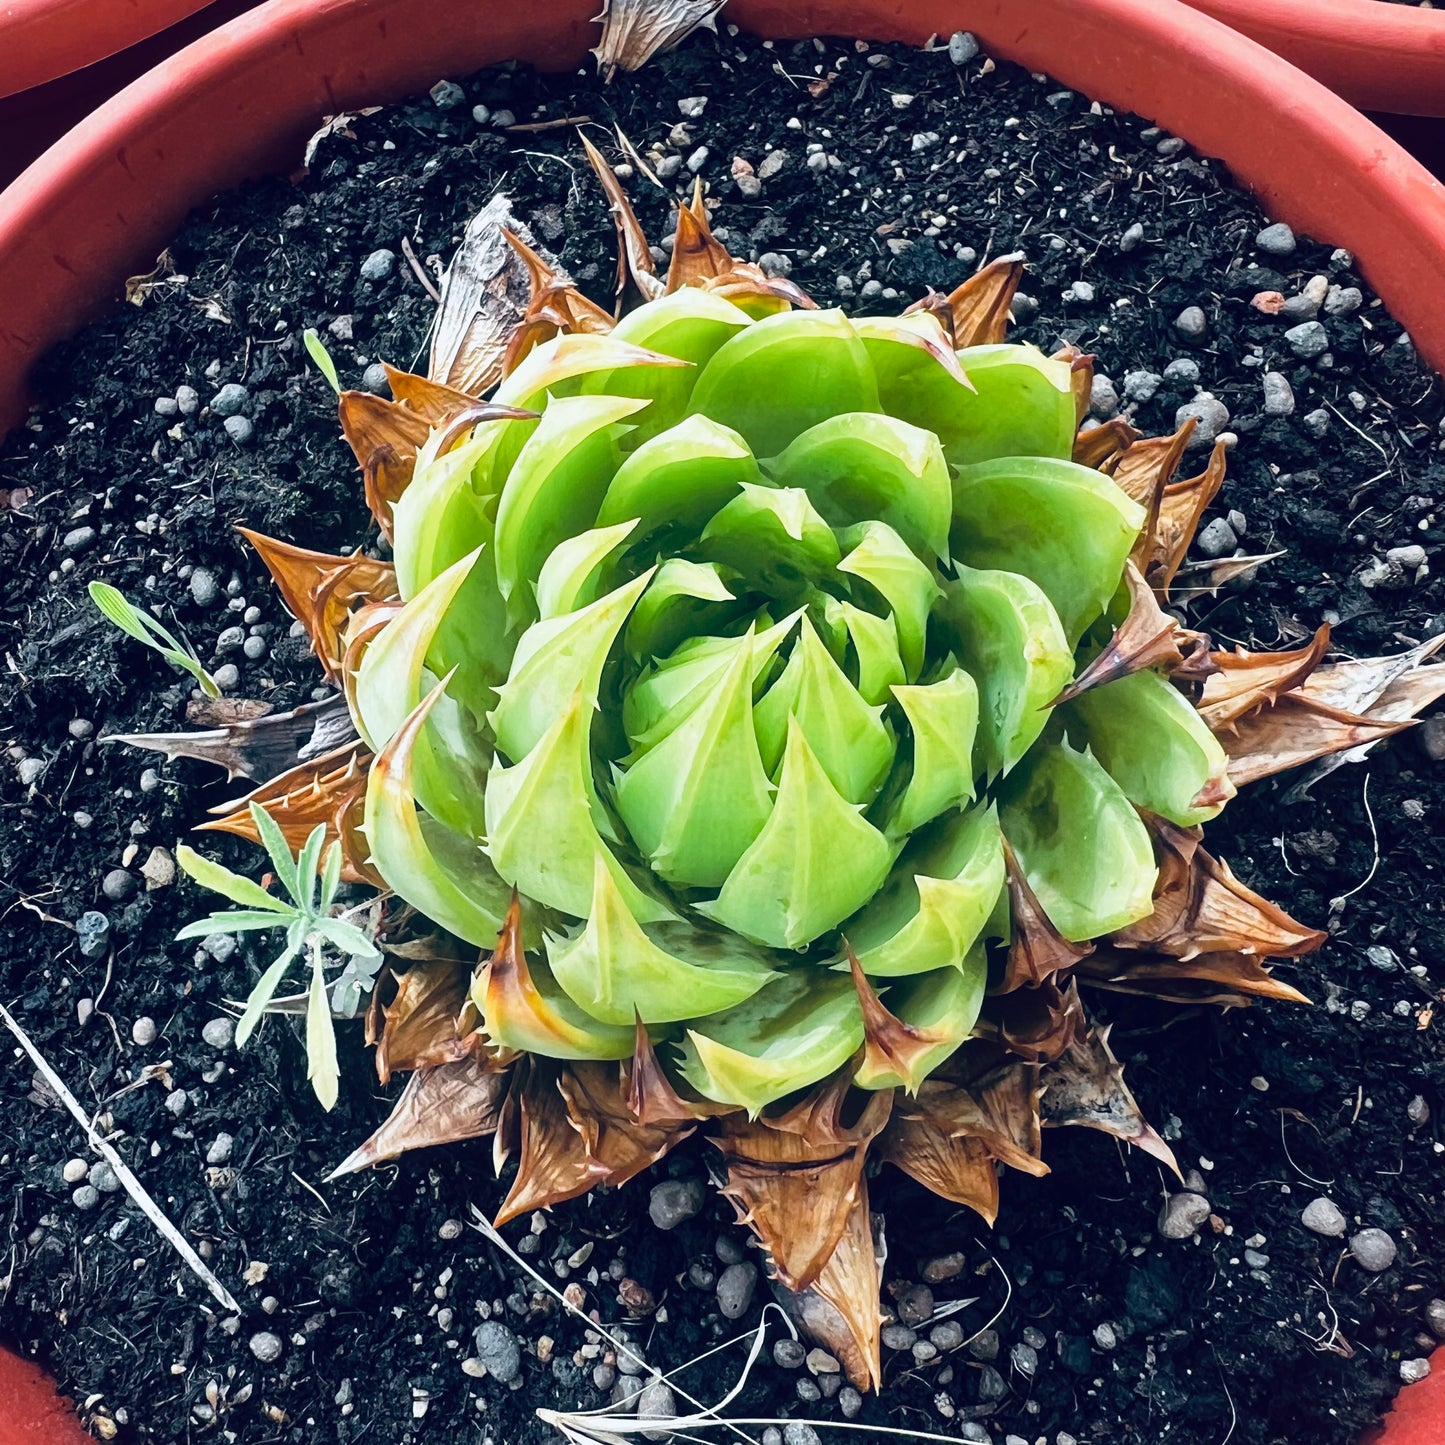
(978, 311)
(890, 1046)
(1148, 466)
(1038, 950)
(635, 266)
(1295, 731)
(1246, 680)
(1101, 447)
(419, 1025)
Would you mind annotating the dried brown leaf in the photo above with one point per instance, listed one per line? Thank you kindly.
(440, 1105)
(1204, 578)
(1247, 680)
(1086, 1086)
(795, 1178)
(1081, 378)
(890, 1046)
(1293, 731)
(653, 1097)
(1162, 547)
(1201, 907)
(1038, 950)
(960, 1169)
(419, 1025)
(977, 312)
(1148, 466)
(1357, 684)
(556, 306)
(633, 31)
(1102, 447)
(1036, 1022)
(598, 1104)
(635, 266)
(1213, 978)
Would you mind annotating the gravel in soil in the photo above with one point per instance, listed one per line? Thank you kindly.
(1108, 1311)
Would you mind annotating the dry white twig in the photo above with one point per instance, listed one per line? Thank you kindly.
(131, 1184)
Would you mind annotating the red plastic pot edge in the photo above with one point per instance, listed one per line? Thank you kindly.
(1378, 56)
(41, 40)
(32, 1409)
(102, 201)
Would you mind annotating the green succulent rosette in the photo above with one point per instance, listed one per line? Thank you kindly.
(743, 654)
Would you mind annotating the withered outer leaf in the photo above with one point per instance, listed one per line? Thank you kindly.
(442, 1104)
(890, 1046)
(977, 312)
(556, 306)
(1247, 680)
(1230, 980)
(1103, 447)
(330, 790)
(596, 1095)
(1086, 1086)
(653, 1098)
(1038, 950)
(633, 31)
(1296, 730)
(840, 1309)
(419, 1025)
(795, 1178)
(320, 591)
(1201, 907)
(1036, 1023)
(1162, 546)
(1081, 379)
(1148, 637)
(635, 266)
(1148, 466)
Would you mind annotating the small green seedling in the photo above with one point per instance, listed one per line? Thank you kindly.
(155, 634)
(311, 882)
(322, 357)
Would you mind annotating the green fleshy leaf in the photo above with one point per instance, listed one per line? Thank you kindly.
(541, 835)
(1085, 852)
(570, 577)
(551, 1024)
(938, 900)
(863, 466)
(674, 482)
(943, 716)
(945, 1003)
(1066, 527)
(691, 325)
(559, 367)
(884, 560)
(816, 860)
(784, 374)
(316, 350)
(346, 937)
(796, 1031)
(684, 599)
(850, 740)
(915, 382)
(875, 646)
(774, 538)
(220, 879)
(554, 660)
(696, 801)
(1006, 633)
(1022, 405)
(615, 971)
(1154, 744)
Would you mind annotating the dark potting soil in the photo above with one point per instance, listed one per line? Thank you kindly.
(874, 174)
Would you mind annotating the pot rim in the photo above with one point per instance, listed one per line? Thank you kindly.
(105, 198)
(1378, 56)
(45, 39)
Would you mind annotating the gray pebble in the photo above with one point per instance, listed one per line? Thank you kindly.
(799, 1432)
(1216, 540)
(692, 106)
(231, 400)
(254, 648)
(501, 119)
(1316, 422)
(1025, 1359)
(1211, 414)
(81, 818)
(698, 159)
(775, 264)
(447, 95)
(1413, 1371)
(898, 1337)
(481, 114)
(220, 1150)
(656, 1402)
(1308, 340)
(962, 47)
(150, 780)
(1373, 1250)
(92, 933)
(850, 1402)
(984, 1345)
(668, 167)
(373, 379)
(1276, 240)
(1191, 323)
(80, 727)
(818, 162)
(1131, 238)
(604, 1377)
(204, 587)
(1083, 291)
(1278, 394)
(218, 1032)
(219, 945)
(1105, 1336)
(772, 1436)
(943, 1267)
(266, 1347)
(735, 1289)
(1022, 308)
(166, 406)
(85, 1198)
(1171, 145)
(239, 429)
(675, 1200)
(915, 1305)
(227, 676)
(1183, 368)
(230, 639)
(104, 1177)
(946, 1335)
(1417, 1111)
(378, 266)
(750, 188)
(1323, 1216)
(176, 1102)
(1255, 1260)
(789, 1354)
(1430, 735)
(1103, 397)
(728, 1250)
(498, 1350)
(118, 885)
(188, 400)
(1413, 555)
(1435, 1317)
(29, 771)
(992, 1386)
(74, 1171)
(925, 140)
(143, 1031)
(1343, 300)
(78, 539)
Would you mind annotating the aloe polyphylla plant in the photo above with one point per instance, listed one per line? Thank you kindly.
(783, 710)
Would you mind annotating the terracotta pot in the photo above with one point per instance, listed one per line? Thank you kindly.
(103, 201)
(43, 39)
(1379, 56)
(32, 1412)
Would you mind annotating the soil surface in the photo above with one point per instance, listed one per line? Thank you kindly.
(878, 172)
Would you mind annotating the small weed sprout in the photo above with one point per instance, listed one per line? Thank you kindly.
(316, 349)
(144, 628)
(312, 882)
